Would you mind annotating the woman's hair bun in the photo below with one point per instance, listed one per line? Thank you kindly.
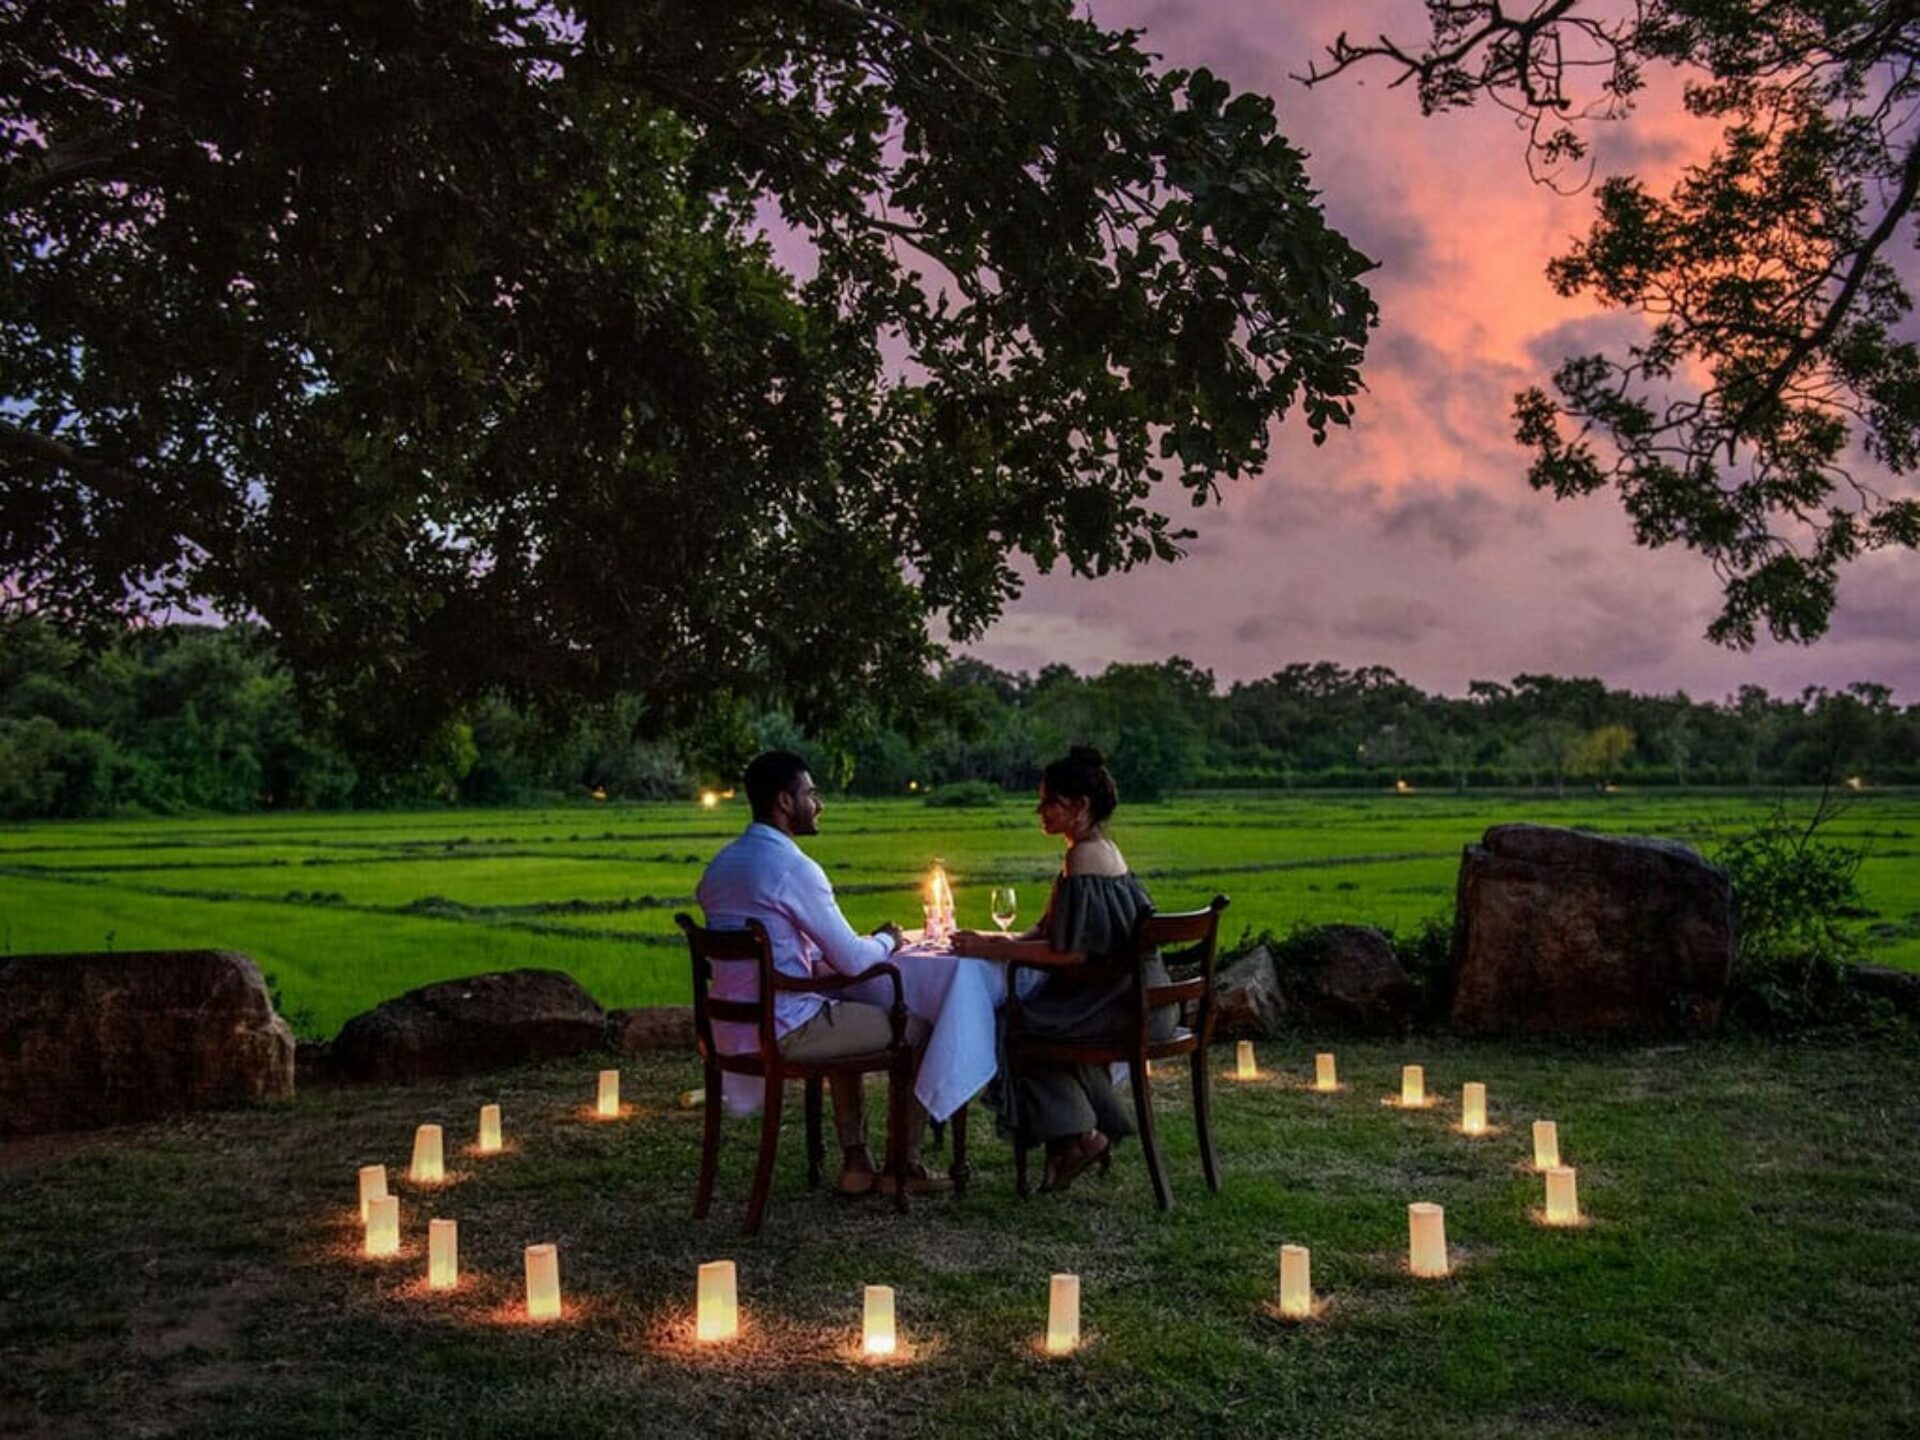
(1088, 755)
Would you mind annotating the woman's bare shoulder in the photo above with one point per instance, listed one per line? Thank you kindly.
(1096, 857)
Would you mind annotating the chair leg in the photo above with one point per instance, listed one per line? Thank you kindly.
(936, 1134)
(1203, 1119)
(709, 1146)
(816, 1147)
(899, 1089)
(960, 1169)
(1149, 1146)
(769, 1143)
(1020, 1186)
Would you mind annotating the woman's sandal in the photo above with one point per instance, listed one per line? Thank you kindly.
(1062, 1170)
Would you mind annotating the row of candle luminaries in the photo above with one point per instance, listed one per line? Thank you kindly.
(717, 1296)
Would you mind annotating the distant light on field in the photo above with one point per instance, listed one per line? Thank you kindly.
(709, 799)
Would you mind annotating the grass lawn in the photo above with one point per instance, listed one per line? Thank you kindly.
(343, 911)
(1752, 1266)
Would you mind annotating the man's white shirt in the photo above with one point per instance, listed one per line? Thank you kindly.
(764, 876)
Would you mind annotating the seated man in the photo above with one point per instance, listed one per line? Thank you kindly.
(764, 876)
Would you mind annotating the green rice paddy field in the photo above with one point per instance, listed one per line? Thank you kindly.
(345, 910)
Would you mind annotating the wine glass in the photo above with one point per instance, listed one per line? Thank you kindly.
(1004, 906)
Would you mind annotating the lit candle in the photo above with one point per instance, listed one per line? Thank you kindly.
(1296, 1282)
(429, 1164)
(1546, 1145)
(489, 1129)
(443, 1254)
(543, 1282)
(1325, 1077)
(1063, 1315)
(609, 1105)
(383, 1225)
(1413, 1086)
(1473, 1108)
(1248, 1070)
(1563, 1201)
(719, 1307)
(1427, 1240)
(878, 1330)
(373, 1184)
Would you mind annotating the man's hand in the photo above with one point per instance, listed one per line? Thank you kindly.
(894, 933)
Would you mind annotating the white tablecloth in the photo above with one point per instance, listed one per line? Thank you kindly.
(957, 996)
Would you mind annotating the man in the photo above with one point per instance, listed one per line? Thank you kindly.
(764, 876)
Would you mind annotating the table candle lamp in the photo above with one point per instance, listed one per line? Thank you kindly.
(1325, 1076)
(1427, 1240)
(1473, 1108)
(718, 1315)
(1563, 1200)
(429, 1157)
(1063, 1315)
(1413, 1086)
(608, 1106)
(543, 1282)
(1546, 1145)
(1296, 1282)
(373, 1184)
(489, 1129)
(1248, 1070)
(443, 1254)
(878, 1335)
(383, 1225)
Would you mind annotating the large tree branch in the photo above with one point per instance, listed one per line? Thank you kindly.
(109, 479)
(1863, 261)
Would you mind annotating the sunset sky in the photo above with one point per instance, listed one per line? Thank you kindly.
(1413, 540)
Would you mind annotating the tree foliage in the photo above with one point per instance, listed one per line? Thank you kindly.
(1771, 407)
(580, 349)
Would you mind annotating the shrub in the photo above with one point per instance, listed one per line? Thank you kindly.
(1796, 894)
(969, 793)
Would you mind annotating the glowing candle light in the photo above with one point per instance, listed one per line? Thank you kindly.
(719, 1309)
(1427, 1240)
(1296, 1282)
(878, 1330)
(1248, 1070)
(373, 1184)
(1063, 1315)
(543, 1282)
(608, 1107)
(1473, 1108)
(1325, 1076)
(1563, 1200)
(429, 1162)
(1413, 1086)
(443, 1254)
(383, 1225)
(1546, 1145)
(489, 1129)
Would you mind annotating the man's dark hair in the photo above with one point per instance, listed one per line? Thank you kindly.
(769, 777)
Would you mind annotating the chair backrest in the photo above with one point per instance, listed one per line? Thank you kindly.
(708, 946)
(1196, 933)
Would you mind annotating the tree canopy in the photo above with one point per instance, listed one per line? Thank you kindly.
(581, 349)
(1776, 390)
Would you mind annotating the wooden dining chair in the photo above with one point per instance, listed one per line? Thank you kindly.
(1198, 931)
(897, 1060)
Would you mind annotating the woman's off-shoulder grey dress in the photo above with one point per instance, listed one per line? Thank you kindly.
(1095, 916)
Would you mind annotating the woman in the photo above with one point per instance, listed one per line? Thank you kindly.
(1089, 920)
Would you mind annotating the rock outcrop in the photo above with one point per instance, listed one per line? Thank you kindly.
(461, 1027)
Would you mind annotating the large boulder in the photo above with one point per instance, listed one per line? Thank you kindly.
(1247, 1000)
(461, 1027)
(89, 1040)
(1558, 931)
(1349, 978)
(650, 1029)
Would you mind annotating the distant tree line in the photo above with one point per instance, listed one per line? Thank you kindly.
(182, 718)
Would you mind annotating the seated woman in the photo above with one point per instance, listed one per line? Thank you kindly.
(1089, 919)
